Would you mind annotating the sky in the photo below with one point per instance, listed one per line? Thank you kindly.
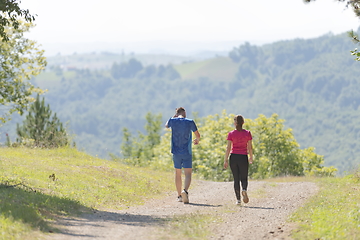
(174, 26)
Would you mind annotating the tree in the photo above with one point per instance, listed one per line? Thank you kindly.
(249, 53)
(40, 126)
(9, 15)
(208, 156)
(127, 69)
(20, 60)
(356, 40)
(140, 151)
(153, 130)
(126, 146)
(276, 152)
(275, 148)
(168, 72)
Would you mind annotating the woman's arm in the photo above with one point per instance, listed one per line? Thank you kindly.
(250, 151)
(227, 153)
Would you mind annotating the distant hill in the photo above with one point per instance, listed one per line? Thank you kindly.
(215, 69)
(104, 60)
(313, 84)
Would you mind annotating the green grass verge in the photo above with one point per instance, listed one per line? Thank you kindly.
(334, 213)
(189, 226)
(37, 185)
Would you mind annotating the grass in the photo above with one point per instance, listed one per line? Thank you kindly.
(190, 226)
(38, 185)
(261, 192)
(334, 213)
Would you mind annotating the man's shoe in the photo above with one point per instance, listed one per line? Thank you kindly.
(245, 196)
(179, 198)
(238, 202)
(185, 196)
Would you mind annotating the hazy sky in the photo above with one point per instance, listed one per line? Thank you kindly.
(200, 21)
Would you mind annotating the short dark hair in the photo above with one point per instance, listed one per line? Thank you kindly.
(180, 110)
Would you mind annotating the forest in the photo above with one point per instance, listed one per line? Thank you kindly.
(313, 84)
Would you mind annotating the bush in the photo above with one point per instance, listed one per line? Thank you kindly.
(276, 152)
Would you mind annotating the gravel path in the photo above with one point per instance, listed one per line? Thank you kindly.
(264, 217)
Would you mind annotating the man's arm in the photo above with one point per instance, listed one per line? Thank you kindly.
(167, 123)
(197, 139)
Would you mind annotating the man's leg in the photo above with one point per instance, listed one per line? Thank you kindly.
(184, 193)
(188, 172)
(178, 182)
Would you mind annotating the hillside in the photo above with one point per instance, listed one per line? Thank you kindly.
(39, 186)
(215, 69)
(313, 84)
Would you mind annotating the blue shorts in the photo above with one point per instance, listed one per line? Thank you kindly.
(182, 160)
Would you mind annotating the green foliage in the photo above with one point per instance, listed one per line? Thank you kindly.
(162, 153)
(140, 151)
(316, 89)
(208, 155)
(20, 60)
(133, 68)
(153, 130)
(127, 69)
(356, 53)
(276, 152)
(43, 129)
(126, 145)
(246, 52)
(275, 149)
(167, 72)
(10, 14)
(313, 164)
(356, 40)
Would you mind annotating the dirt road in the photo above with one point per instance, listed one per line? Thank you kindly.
(264, 217)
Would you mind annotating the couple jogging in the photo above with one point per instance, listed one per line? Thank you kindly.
(238, 147)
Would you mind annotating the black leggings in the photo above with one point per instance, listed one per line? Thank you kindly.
(239, 165)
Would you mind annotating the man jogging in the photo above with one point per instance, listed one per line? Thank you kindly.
(181, 138)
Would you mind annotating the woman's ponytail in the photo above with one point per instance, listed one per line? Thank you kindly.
(239, 120)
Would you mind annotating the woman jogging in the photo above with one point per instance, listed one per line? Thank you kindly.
(239, 145)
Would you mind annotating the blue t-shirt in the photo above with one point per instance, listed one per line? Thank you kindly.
(181, 137)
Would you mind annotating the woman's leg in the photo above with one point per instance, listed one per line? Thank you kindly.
(234, 165)
(244, 171)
